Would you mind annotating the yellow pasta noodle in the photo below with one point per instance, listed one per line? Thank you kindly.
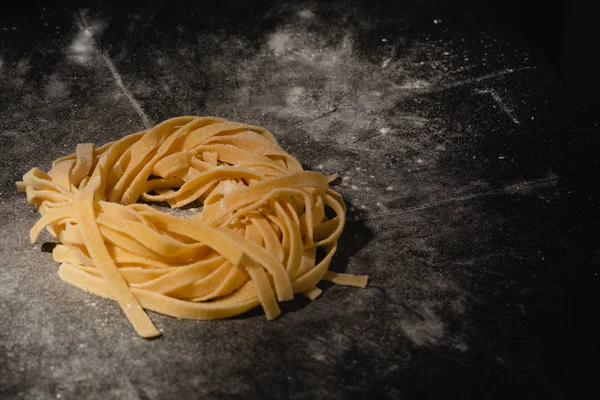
(263, 233)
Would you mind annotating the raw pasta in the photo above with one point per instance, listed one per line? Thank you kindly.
(268, 229)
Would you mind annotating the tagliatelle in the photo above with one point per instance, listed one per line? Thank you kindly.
(262, 235)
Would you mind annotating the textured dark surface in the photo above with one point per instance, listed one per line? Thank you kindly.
(468, 165)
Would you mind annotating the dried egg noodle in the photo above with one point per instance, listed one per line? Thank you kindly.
(262, 234)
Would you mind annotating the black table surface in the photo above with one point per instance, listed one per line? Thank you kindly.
(465, 159)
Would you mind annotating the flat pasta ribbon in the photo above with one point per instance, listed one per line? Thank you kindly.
(267, 230)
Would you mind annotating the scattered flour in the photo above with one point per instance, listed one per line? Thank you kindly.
(424, 328)
(306, 14)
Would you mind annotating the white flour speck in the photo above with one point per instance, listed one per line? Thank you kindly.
(82, 48)
(306, 14)
(295, 96)
(417, 84)
(428, 329)
(354, 187)
(384, 131)
(278, 42)
(228, 186)
(389, 188)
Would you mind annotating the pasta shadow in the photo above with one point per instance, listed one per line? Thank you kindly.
(48, 247)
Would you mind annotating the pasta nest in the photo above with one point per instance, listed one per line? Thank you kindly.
(267, 229)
